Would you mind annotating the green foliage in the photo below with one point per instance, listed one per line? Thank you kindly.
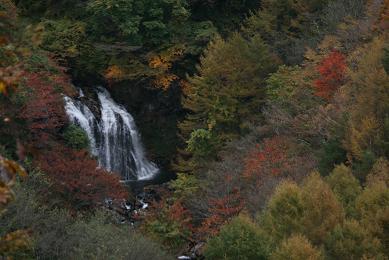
(36, 8)
(63, 37)
(280, 85)
(167, 231)
(240, 239)
(364, 164)
(202, 144)
(136, 21)
(114, 242)
(295, 248)
(222, 97)
(345, 186)
(59, 234)
(69, 41)
(39, 61)
(331, 154)
(184, 185)
(385, 60)
(76, 137)
(352, 241)
(225, 14)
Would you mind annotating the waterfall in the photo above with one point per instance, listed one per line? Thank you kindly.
(114, 138)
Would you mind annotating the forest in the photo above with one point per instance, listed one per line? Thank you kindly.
(194, 129)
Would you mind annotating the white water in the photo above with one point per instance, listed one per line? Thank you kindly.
(114, 138)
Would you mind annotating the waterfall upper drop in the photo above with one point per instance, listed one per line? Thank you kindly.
(113, 138)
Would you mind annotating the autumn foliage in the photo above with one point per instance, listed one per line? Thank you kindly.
(332, 75)
(221, 210)
(45, 111)
(77, 178)
(272, 159)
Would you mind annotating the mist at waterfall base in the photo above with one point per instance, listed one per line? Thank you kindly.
(113, 137)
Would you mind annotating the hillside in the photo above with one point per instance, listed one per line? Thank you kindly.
(193, 129)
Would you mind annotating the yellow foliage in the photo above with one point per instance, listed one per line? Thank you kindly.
(14, 242)
(18, 240)
(368, 100)
(361, 136)
(8, 171)
(3, 88)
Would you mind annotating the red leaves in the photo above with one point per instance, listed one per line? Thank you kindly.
(44, 110)
(76, 177)
(221, 210)
(332, 75)
(226, 204)
(270, 159)
(178, 213)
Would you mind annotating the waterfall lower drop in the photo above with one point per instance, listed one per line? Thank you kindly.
(114, 138)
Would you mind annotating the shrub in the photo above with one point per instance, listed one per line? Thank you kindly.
(77, 179)
(240, 239)
(76, 137)
(202, 144)
(60, 234)
(169, 224)
(63, 37)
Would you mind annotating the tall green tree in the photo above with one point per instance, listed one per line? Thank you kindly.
(228, 90)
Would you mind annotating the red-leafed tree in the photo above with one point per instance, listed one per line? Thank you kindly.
(221, 210)
(78, 180)
(44, 110)
(268, 159)
(276, 157)
(332, 75)
(178, 213)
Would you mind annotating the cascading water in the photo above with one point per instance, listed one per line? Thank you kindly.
(114, 138)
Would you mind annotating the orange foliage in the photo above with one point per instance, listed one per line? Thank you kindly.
(164, 81)
(114, 72)
(332, 75)
(163, 63)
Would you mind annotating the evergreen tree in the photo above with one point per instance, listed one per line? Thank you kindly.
(229, 88)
